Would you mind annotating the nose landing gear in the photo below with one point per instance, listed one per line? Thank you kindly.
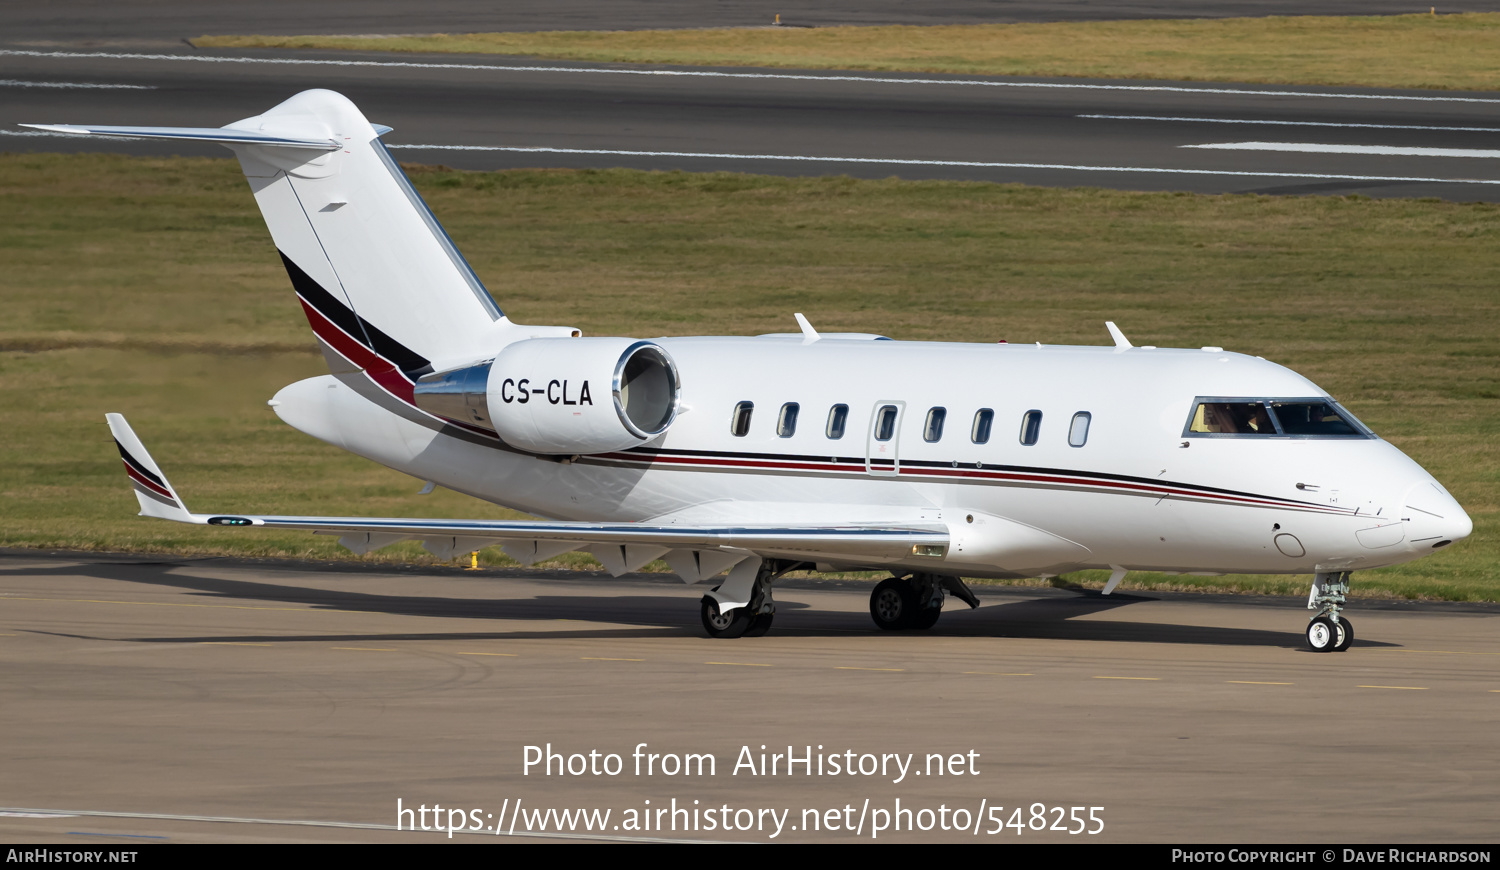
(1329, 631)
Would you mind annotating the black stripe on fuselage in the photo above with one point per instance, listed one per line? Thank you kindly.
(366, 333)
(647, 453)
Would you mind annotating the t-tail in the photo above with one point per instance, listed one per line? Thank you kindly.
(383, 286)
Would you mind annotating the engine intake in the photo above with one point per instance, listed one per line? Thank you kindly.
(562, 395)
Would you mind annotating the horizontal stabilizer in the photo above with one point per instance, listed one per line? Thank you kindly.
(225, 135)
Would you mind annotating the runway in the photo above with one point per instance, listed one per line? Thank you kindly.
(168, 22)
(213, 700)
(498, 113)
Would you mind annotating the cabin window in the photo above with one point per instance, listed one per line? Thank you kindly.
(838, 418)
(983, 420)
(885, 423)
(739, 424)
(1078, 433)
(933, 431)
(786, 424)
(1031, 427)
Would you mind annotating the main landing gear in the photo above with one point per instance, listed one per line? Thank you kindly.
(753, 617)
(739, 622)
(1329, 631)
(915, 600)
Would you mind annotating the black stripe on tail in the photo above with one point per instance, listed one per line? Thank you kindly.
(404, 358)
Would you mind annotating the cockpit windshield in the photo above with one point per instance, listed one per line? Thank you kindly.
(1232, 418)
(1295, 418)
(1312, 418)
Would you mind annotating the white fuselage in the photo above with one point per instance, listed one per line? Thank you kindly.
(1137, 494)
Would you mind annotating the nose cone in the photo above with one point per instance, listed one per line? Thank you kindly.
(1434, 518)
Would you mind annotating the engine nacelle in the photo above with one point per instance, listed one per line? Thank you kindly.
(562, 395)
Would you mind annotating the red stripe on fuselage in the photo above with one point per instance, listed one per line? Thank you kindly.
(1161, 490)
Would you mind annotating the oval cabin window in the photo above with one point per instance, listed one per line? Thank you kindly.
(1078, 432)
(1031, 427)
(739, 424)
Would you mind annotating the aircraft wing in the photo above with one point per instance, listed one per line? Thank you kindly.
(695, 552)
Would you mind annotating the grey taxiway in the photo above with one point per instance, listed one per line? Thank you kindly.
(204, 700)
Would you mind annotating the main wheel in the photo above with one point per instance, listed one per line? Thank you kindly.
(893, 604)
(760, 625)
(1346, 635)
(927, 617)
(1322, 634)
(732, 624)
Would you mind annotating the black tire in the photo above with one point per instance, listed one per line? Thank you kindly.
(730, 625)
(760, 625)
(926, 618)
(1346, 635)
(1322, 635)
(893, 604)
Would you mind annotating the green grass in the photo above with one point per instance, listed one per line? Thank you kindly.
(151, 287)
(1402, 51)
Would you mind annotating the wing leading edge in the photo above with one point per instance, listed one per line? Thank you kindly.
(695, 552)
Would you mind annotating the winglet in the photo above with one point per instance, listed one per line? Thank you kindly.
(155, 494)
(1114, 332)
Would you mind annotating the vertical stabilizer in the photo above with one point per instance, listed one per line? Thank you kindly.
(381, 283)
(385, 290)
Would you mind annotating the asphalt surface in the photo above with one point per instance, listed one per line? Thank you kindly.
(496, 113)
(157, 22)
(209, 700)
(145, 700)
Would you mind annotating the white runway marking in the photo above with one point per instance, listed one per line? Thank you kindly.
(298, 61)
(1378, 150)
(1294, 123)
(896, 161)
(26, 812)
(18, 83)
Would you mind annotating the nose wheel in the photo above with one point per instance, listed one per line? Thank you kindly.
(1329, 631)
(1346, 635)
(1322, 634)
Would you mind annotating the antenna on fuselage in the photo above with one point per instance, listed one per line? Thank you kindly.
(809, 335)
(1114, 332)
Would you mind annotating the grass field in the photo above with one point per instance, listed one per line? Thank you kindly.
(1403, 51)
(151, 287)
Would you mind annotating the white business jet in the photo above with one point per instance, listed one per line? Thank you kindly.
(761, 455)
